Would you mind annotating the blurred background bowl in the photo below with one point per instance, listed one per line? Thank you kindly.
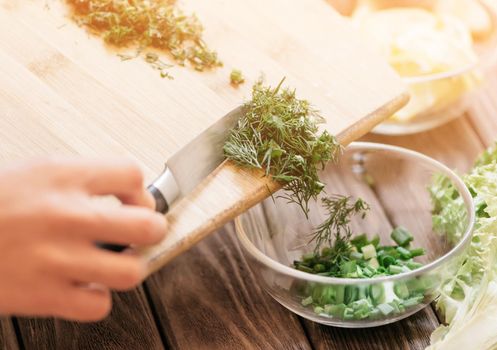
(441, 97)
(395, 182)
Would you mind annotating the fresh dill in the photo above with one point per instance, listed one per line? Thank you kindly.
(335, 231)
(236, 77)
(145, 24)
(279, 133)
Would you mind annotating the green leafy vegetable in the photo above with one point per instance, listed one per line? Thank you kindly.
(469, 297)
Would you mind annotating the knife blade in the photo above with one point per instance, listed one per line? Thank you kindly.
(189, 166)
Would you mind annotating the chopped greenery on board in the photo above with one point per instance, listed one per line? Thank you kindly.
(279, 133)
(236, 77)
(143, 24)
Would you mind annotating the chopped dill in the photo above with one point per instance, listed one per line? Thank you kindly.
(279, 133)
(335, 229)
(154, 61)
(236, 77)
(145, 24)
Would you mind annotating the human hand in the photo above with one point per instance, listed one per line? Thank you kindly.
(49, 223)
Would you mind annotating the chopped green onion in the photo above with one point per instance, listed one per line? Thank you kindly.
(356, 256)
(385, 309)
(404, 253)
(348, 267)
(307, 301)
(394, 269)
(369, 251)
(360, 241)
(318, 310)
(319, 268)
(401, 236)
(401, 290)
(417, 252)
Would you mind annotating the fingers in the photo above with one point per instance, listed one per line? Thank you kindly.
(118, 176)
(120, 225)
(63, 298)
(115, 271)
(88, 264)
(129, 225)
(82, 304)
(93, 222)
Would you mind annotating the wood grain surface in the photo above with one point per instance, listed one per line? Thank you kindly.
(8, 339)
(207, 298)
(129, 326)
(153, 117)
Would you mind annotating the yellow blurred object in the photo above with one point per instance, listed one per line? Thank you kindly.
(419, 43)
(474, 16)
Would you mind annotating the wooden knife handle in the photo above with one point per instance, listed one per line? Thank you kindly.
(226, 193)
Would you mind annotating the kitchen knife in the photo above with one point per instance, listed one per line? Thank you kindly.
(189, 166)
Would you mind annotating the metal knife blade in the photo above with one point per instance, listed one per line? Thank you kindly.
(191, 164)
(201, 156)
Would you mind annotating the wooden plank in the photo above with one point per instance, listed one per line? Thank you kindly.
(8, 339)
(209, 299)
(129, 326)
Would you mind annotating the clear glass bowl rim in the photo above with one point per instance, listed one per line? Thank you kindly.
(411, 155)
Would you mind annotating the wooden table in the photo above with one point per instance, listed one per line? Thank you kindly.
(208, 298)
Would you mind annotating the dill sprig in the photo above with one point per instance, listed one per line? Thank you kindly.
(144, 24)
(279, 133)
(335, 229)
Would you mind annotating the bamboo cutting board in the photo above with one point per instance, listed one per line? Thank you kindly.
(126, 108)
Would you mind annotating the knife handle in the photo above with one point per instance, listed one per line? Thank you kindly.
(163, 189)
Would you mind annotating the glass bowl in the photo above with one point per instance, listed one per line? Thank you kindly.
(394, 181)
(439, 98)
